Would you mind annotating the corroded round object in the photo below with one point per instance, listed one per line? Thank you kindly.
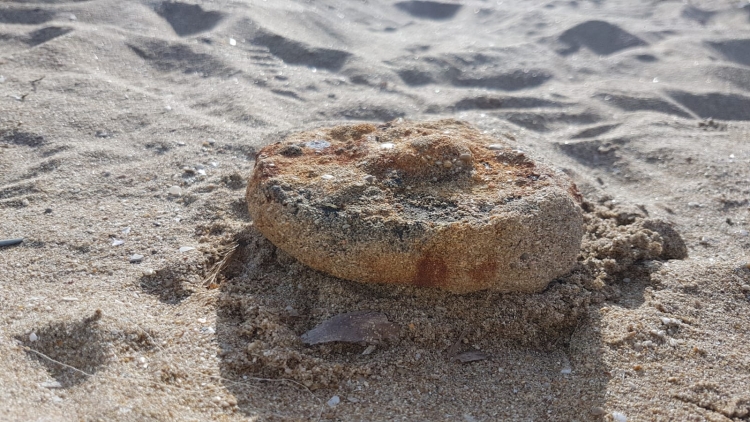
(435, 204)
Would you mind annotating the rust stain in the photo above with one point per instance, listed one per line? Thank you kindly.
(484, 272)
(431, 271)
(573, 190)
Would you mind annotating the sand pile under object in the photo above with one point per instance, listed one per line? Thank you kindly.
(432, 204)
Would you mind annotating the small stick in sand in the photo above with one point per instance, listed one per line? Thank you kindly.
(10, 242)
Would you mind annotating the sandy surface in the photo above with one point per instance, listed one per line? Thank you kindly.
(106, 106)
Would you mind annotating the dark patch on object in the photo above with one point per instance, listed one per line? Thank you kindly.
(299, 53)
(291, 151)
(41, 36)
(628, 103)
(698, 15)
(598, 36)
(545, 121)
(188, 19)
(353, 327)
(167, 57)
(737, 51)
(431, 272)
(595, 131)
(25, 16)
(429, 9)
(715, 105)
(484, 102)
(22, 138)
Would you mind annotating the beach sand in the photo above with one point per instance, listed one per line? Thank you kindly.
(128, 131)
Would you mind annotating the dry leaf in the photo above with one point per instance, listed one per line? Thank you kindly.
(353, 327)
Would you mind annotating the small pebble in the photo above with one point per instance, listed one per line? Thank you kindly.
(619, 417)
(447, 164)
(370, 178)
(495, 147)
(387, 145)
(327, 177)
(148, 271)
(50, 384)
(126, 230)
(136, 258)
(671, 321)
(69, 299)
(334, 401)
(566, 371)
(117, 242)
(232, 42)
(186, 248)
(466, 156)
(175, 191)
(33, 337)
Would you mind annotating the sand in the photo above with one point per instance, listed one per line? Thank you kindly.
(108, 107)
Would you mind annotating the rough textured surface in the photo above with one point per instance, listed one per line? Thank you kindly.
(434, 204)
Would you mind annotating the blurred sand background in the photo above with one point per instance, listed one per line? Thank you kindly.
(129, 128)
